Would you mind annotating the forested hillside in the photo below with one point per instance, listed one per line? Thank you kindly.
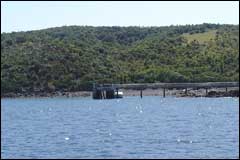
(71, 58)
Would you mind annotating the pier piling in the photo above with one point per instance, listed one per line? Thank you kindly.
(163, 92)
(117, 91)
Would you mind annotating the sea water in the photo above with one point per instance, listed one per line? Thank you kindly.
(151, 127)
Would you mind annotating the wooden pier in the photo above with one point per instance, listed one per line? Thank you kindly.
(164, 86)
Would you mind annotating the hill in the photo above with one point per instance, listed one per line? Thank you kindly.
(71, 58)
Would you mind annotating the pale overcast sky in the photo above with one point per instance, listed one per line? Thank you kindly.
(25, 15)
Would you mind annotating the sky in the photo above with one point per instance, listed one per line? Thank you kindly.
(35, 15)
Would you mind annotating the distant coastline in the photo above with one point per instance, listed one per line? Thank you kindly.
(214, 92)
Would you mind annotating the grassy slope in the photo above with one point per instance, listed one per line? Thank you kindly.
(201, 37)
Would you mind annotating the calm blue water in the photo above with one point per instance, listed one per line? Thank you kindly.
(152, 127)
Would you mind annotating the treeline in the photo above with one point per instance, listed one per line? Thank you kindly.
(71, 58)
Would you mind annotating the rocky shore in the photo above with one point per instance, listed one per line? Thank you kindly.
(214, 92)
(48, 94)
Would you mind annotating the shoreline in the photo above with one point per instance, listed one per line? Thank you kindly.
(213, 92)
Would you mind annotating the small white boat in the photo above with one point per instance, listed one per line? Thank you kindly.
(118, 94)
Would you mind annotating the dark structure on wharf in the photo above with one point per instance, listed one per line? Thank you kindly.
(109, 91)
(106, 91)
